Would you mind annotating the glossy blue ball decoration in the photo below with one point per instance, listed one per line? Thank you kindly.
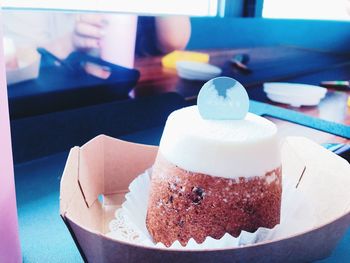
(223, 98)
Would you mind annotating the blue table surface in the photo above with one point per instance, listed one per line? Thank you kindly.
(44, 236)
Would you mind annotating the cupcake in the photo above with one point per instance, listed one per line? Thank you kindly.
(214, 176)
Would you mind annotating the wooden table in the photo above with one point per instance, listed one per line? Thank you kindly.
(268, 64)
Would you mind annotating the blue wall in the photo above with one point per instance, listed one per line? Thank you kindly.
(252, 32)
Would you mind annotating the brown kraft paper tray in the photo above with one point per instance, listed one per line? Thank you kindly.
(106, 166)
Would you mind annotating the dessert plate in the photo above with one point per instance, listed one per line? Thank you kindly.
(294, 94)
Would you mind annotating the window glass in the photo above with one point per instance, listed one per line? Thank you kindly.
(307, 9)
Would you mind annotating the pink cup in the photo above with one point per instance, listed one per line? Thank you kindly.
(9, 242)
(118, 44)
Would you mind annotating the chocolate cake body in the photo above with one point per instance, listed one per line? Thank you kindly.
(186, 205)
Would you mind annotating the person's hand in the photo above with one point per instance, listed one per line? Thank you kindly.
(89, 29)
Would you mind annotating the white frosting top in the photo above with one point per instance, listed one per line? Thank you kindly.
(224, 148)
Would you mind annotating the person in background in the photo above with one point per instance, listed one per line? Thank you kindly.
(155, 35)
(63, 33)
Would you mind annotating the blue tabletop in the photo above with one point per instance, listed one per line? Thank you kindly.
(44, 236)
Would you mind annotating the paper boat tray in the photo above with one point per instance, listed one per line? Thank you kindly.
(106, 166)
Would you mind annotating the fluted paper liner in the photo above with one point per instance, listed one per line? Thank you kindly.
(129, 224)
(106, 166)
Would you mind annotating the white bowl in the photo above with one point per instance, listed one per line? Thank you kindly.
(294, 94)
(196, 70)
